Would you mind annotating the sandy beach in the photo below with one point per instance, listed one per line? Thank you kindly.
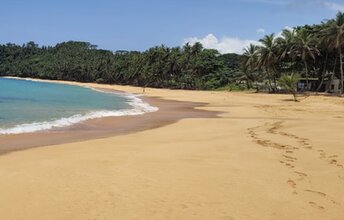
(251, 156)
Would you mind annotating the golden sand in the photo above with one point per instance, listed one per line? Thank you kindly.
(265, 157)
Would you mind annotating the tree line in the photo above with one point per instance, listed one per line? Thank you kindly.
(187, 67)
(310, 51)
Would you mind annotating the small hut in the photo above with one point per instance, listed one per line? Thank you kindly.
(312, 84)
(333, 85)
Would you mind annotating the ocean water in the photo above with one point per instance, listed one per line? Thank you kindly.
(29, 106)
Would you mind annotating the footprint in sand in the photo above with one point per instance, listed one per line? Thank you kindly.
(301, 175)
(314, 205)
(289, 157)
(302, 141)
(331, 159)
(291, 183)
(322, 155)
(333, 162)
(289, 165)
(316, 192)
(334, 202)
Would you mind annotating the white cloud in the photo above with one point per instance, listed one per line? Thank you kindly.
(279, 34)
(334, 6)
(223, 45)
(260, 31)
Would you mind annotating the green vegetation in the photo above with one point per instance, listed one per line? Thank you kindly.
(189, 67)
(289, 83)
(313, 51)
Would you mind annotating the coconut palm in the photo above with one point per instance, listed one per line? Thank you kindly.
(304, 48)
(326, 55)
(250, 57)
(285, 42)
(289, 82)
(268, 56)
(333, 35)
(250, 64)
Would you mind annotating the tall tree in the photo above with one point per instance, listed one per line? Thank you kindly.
(250, 65)
(333, 35)
(304, 48)
(285, 42)
(268, 57)
(250, 57)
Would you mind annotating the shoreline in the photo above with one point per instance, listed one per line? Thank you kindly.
(138, 107)
(108, 126)
(260, 157)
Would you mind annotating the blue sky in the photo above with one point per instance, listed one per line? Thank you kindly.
(139, 24)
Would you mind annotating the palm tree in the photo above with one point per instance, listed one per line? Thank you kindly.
(285, 42)
(268, 56)
(326, 55)
(250, 64)
(250, 57)
(333, 35)
(289, 82)
(304, 48)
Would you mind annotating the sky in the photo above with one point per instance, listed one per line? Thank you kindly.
(226, 25)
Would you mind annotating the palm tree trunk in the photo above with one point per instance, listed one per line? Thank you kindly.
(269, 82)
(333, 71)
(341, 70)
(275, 84)
(257, 87)
(335, 65)
(306, 67)
(323, 73)
(295, 97)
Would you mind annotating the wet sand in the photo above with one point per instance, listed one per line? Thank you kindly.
(169, 112)
(262, 157)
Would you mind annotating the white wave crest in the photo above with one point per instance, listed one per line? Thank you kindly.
(139, 107)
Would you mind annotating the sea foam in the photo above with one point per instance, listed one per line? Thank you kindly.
(139, 107)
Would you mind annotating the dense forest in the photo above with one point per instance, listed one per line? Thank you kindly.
(311, 51)
(189, 67)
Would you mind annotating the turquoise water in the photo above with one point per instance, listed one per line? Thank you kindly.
(28, 106)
